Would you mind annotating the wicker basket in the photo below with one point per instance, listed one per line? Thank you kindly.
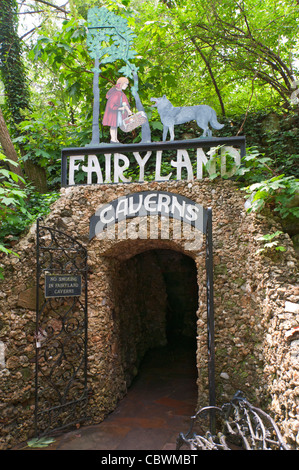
(133, 121)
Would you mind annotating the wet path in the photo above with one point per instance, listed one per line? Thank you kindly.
(156, 409)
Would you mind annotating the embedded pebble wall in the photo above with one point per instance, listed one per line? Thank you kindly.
(255, 299)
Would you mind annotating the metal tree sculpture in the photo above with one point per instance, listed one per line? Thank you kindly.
(109, 39)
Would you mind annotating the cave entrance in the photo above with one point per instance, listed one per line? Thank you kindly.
(138, 321)
(157, 301)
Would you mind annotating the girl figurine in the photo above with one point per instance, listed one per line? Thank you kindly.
(117, 107)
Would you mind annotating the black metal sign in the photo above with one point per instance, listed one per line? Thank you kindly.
(61, 331)
(63, 285)
(108, 163)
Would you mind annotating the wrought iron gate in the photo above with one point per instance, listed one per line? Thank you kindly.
(61, 392)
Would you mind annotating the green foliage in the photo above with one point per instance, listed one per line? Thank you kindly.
(11, 196)
(45, 132)
(226, 54)
(277, 193)
(69, 65)
(255, 166)
(19, 208)
(235, 57)
(275, 133)
(270, 241)
(11, 200)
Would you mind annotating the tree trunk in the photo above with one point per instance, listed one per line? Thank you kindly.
(210, 72)
(8, 148)
(37, 175)
(13, 74)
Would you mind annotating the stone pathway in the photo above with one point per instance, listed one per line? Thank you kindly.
(156, 409)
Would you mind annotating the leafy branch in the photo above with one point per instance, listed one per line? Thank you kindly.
(277, 193)
(270, 243)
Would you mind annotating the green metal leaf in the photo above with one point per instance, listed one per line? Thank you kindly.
(109, 38)
(40, 442)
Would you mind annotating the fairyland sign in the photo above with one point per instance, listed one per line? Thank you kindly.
(108, 163)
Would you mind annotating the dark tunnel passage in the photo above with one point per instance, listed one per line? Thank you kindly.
(157, 300)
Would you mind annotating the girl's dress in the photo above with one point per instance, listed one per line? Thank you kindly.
(113, 117)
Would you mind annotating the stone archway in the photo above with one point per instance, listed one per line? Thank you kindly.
(129, 312)
(130, 225)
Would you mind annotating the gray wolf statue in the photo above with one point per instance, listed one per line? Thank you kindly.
(170, 115)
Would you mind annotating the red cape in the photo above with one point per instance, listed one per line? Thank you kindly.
(115, 99)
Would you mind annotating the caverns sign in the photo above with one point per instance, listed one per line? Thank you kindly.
(159, 161)
(149, 203)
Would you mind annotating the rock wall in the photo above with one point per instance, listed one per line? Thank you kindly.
(256, 307)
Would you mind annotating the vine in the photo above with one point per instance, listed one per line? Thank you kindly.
(11, 66)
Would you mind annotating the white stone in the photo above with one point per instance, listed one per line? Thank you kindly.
(224, 375)
(2, 355)
(291, 307)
